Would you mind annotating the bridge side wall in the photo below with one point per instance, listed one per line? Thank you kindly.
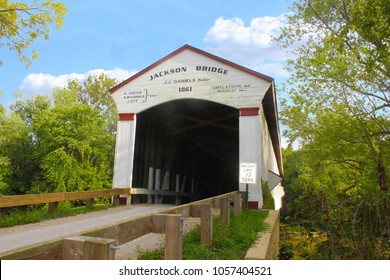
(250, 152)
(267, 245)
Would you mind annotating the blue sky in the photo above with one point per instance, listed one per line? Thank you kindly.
(122, 37)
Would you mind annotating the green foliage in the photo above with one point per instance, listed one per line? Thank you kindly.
(37, 213)
(151, 254)
(15, 154)
(286, 251)
(268, 200)
(344, 49)
(90, 93)
(59, 143)
(74, 145)
(229, 242)
(337, 114)
(332, 186)
(22, 24)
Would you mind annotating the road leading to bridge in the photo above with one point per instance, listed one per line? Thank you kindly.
(42, 232)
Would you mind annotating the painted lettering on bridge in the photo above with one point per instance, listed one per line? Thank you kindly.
(178, 70)
(167, 72)
(212, 69)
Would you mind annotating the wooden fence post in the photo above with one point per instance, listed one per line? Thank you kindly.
(245, 199)
(115, 200)
(172, 226)
(3, 212)
(88, 248)
(53, 206)
(225, 213)
(206, 224)
(128, 199)
(216, 202)
(173, 237)
(237, 204)
(90, 202)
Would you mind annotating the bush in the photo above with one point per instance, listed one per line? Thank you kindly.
(268, 200)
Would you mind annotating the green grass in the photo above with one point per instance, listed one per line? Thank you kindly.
(229, 242)
(35, 213)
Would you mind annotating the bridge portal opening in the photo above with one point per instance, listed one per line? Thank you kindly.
(188, 126)
(189, 146)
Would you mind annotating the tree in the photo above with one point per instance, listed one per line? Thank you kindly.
(21, 24)
(337, 110)
(346, 53)
(5, 169)
(74, 148)
(69, 138)
(94, 92)
(331, 185)
(16, 164)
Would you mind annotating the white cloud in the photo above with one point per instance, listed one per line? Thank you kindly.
(44, 83)
(251, 46)
(258, 34)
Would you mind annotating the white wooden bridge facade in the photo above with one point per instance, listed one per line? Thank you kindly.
(188, 121)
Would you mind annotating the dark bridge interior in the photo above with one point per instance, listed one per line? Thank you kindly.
(188, 146)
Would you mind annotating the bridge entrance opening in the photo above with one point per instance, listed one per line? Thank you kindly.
(189, 146)
(188, 122)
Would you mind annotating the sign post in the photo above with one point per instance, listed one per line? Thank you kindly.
(247, 176)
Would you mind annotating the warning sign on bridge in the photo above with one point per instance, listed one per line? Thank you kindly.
(248, 173)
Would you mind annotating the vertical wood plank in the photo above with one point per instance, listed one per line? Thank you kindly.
(245, 200)
(206, 224)
(53, 206)
(115, 200)
(3, 212)
(157, 185)
(73, 248)
(225, 213)
(90, 202)
(177, 189)
(158, 223)
(88, 248)
(128, 199)
(96, 248)
(150, 183)
(237, 204)
(216, 202)
(173, 237)
(195, 210)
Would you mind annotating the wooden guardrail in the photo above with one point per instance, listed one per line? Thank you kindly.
(130, 230)
(27, 199)
(54, 198)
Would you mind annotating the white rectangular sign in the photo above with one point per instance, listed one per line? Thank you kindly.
(248, 173)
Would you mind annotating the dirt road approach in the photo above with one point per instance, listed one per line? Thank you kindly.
(28, 235)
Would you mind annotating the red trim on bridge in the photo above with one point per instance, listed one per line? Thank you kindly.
(249, 111)
(253, 205)
(126, 116)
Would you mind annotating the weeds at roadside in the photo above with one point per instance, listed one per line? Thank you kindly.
(229, 242)
(37, 213)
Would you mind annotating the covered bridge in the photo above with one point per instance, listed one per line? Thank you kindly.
(189, 122)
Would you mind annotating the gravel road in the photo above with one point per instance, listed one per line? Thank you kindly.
(28, 235)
